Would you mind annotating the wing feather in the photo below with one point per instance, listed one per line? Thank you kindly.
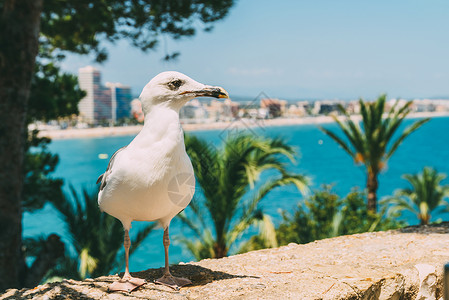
(103, 177)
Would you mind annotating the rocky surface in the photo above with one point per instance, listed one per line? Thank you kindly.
(402, 264)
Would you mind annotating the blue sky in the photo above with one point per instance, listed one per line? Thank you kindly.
(305, 49)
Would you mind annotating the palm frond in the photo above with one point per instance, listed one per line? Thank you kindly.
(399, 204)
(141, 235)
(200, 249)
(33, 246)
(396, 118)
(250, 213)
(266, 237)
(195, 227)
(87, 263)
(338, 140)
(405, 134)
(425, 194)
(267, 231)
(236, 168)
(351, 130)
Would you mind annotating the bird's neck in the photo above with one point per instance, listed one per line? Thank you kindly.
(161, 118)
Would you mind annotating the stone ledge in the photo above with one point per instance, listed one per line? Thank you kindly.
(400, 264)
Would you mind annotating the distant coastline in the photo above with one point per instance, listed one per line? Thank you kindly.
(73, 133)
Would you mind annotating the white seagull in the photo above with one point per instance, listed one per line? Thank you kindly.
(152, 178)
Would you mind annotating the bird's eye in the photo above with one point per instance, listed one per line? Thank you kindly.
(175, 84)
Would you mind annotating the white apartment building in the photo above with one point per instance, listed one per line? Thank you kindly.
(103, 103)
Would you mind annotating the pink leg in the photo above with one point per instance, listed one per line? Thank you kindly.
(127, 283)
(168, 279)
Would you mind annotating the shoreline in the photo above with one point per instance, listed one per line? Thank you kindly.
(71, 133)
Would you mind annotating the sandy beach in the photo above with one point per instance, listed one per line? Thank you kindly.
(72, 133)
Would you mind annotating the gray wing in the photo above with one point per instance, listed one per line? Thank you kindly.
(103, 177)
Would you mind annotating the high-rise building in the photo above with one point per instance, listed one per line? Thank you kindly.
(120, 100)
(89, 80)
(103, 103)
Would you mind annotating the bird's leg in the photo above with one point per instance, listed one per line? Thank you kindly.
(168, 279)
(127, 245)
(166, 242)
(127, 283)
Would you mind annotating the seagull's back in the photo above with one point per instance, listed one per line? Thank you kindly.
(136, 188)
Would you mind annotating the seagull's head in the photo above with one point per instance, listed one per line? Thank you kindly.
(174, 89)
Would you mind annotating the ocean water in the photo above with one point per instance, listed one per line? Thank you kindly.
(318, 157)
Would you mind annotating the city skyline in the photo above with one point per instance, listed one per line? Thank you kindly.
(298, 50)
(106, 102)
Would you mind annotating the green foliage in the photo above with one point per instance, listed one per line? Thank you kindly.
(54, 94)
(228, 176)
(372, 143)
(96, 237)
(265, 239)
(39, 186)
(80, 26)
(324, 215)
(424, 195)
(311, 221)
(354, 217)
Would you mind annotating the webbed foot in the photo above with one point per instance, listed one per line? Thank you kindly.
(174, 282)
(127, 284)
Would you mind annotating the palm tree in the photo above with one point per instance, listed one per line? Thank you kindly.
(231, 191)
(96, 237)
(424, 196)
(368, 143)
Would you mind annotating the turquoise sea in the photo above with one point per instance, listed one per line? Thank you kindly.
(320, 159)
